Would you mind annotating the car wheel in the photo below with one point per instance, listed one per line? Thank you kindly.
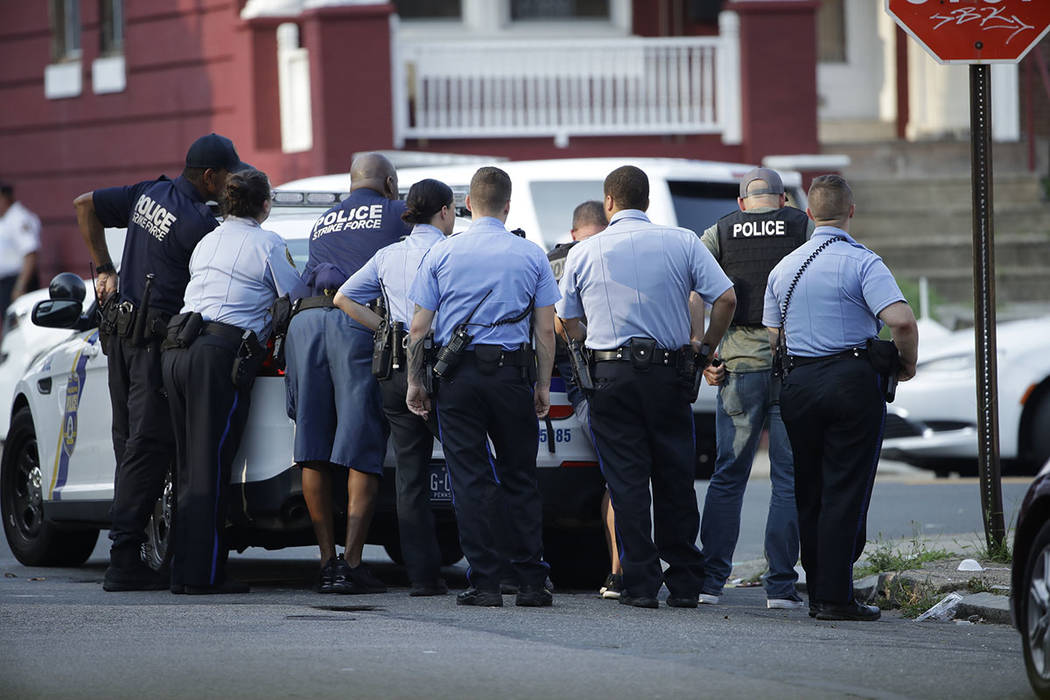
(1035, 615)
(1040, 432)
(157, 551)
(33, 539)
(578, 558)
(448, 544)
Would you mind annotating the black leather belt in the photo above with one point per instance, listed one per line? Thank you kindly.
(511, 358)
(660, 356)
(233, 334)
(319, 302)
(799, 361)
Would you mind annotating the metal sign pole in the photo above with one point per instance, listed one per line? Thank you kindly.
(984, 306)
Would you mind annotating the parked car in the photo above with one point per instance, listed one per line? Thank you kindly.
(1030, 581)
(689, 193)
(943, 397)
(56, 474)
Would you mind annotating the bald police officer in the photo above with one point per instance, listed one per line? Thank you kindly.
(747, 244)
(483, 285)
(633, 282)
(165, 219)
(835, 295)
(332, 394)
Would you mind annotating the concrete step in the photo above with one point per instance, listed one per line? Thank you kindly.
(897, 226)
(1013, 284)
(892, 158)
(954, 192)
(956, 251)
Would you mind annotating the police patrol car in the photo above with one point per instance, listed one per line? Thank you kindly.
(56, 475)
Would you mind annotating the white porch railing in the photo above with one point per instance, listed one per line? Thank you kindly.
(564, 88)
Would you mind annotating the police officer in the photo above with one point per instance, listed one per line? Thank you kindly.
(747, 244)
(332, 394)
(429, 206)
(165, 219)
(19, 242)
(836, 295)
(587, 219)
(633, 282)
(484, 284)
(212, 352)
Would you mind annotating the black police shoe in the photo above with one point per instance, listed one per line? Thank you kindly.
(364, 581)
(486, 599)
(432, 588)
(643, 601)
(335, 577)
(814, 608)
(133, 576)
(852, 611)
(677, 601)
(529, 597)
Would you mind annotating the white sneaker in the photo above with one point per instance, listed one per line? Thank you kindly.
(784, 604)
(708, 599)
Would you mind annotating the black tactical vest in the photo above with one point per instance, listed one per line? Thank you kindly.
(750, 246)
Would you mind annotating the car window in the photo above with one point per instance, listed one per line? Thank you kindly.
(554, 202)
(698, 205)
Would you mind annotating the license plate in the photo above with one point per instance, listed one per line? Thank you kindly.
(440, 483)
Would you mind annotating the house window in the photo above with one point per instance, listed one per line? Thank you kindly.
(111, 14)
(65, 30)
(831, 31)
(558, 9)
(429, 9)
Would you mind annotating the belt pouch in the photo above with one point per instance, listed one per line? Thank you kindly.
(641, 352)
(399, 344)
(488, 357)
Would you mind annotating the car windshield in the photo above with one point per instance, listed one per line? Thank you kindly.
(294, 224)
(699, 205)
(554, 202)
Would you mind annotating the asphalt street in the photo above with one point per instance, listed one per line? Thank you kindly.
(62, 636)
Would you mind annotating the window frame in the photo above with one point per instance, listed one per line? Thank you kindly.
(66, 29)
(112, 20)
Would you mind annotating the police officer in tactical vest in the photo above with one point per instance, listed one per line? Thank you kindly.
(747, 244)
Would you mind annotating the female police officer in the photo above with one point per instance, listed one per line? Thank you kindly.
(389, 274)
(212, 352)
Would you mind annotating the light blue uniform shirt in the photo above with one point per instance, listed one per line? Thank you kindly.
(392, 270)
(236, 272)
(457, 272)
(837, 300)
(633, 279)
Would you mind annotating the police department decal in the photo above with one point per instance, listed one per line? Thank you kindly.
(67, 436)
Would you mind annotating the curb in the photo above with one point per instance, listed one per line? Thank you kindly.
(989, 607)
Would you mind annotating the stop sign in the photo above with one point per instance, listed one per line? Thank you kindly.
(973, 31)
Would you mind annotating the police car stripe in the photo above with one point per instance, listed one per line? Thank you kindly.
(67, 431)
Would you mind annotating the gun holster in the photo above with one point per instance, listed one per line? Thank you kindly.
(383, 352)
(280, 317)
(247, 361)
(182, 330)
(885, 359)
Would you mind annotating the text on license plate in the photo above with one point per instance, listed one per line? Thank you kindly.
(440, 483)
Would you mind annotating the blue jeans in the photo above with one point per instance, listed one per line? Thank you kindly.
(743, 409)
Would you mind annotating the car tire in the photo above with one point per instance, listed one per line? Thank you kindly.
(1039, 444)
(160, 528)
(34, 540)
(1034, 615)
(578, 558)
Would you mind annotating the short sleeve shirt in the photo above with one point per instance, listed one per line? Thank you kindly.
(237, 271)
(633, 280)
(391, 271)
(350, 233)
(456, 274)
(837, 300)
(19, 236)
(165, 219)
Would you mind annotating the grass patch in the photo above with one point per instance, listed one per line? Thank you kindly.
(978, 585)
(888, 556)
(914, 600)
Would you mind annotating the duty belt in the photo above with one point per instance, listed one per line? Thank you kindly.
(799, 361)
(319, 302)
(659, 356)
(118, 318)
(509, 358)
(233, 334)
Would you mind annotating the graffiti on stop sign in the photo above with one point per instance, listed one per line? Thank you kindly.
(990, 18)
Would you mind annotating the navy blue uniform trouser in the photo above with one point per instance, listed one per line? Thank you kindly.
(413, 446)
(487, 491)
(642, 423)
(834, 414)
(142, 440)
(209, 414)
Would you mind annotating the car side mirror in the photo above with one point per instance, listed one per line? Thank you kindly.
(57, 313)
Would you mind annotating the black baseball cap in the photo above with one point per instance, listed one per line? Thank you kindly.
(215, 152)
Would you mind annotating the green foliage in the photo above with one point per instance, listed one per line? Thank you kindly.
(888, 556)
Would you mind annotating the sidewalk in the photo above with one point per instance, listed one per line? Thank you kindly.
(984, 594)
